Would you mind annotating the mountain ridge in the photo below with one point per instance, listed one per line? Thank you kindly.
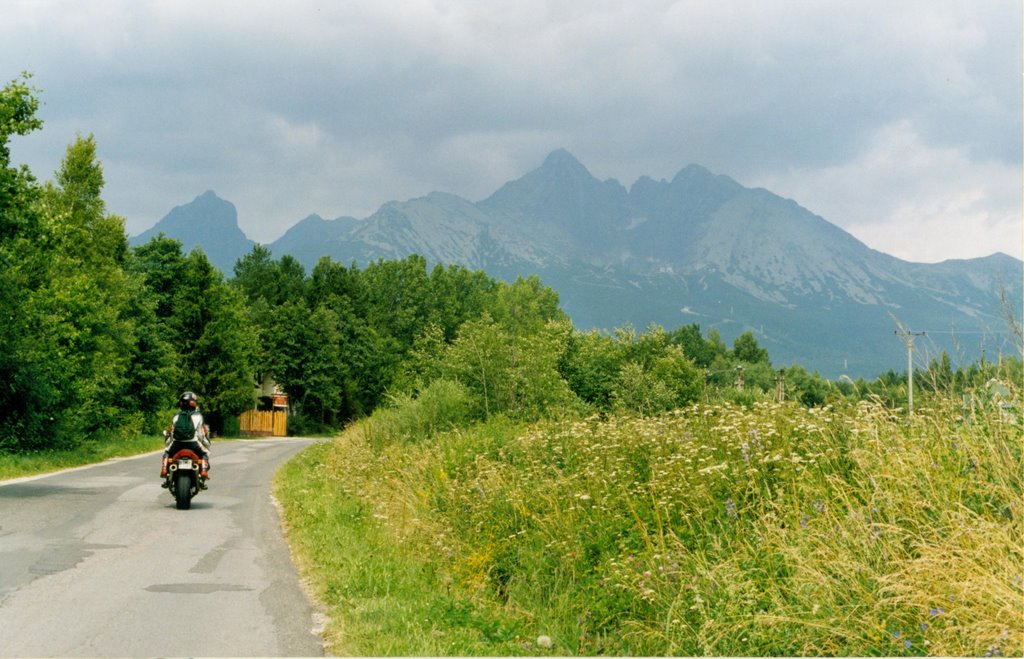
(700, 247)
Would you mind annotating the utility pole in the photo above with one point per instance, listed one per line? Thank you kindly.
(780, 386)
(908, 339)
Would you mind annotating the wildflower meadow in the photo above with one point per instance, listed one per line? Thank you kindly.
(718, 529)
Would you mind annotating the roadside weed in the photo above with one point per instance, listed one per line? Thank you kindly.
(717, 529)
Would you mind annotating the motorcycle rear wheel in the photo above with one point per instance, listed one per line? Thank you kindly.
(183, 493)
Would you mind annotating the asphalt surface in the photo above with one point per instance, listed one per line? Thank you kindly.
(98, 562)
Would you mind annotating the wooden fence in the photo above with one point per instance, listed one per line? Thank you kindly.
(258, 422)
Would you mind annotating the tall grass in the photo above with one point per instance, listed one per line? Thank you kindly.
(715, 530)
(353, 511)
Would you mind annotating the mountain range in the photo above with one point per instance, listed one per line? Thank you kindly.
(700, 248)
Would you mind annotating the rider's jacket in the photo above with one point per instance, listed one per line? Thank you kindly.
(202, 432)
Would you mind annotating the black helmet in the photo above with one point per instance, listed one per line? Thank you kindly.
(188, 401)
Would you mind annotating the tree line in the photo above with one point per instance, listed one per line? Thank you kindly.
(98, 338)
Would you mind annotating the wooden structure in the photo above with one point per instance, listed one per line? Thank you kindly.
(270, 423)
(270, 418)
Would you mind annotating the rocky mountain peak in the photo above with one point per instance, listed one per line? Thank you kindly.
(208, 222)
(561, 160)
(560, 177)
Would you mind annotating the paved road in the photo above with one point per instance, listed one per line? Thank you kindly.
(97, 562)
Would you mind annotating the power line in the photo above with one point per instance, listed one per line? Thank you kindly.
(963, 332)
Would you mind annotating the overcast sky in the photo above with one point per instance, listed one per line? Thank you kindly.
(898, 120)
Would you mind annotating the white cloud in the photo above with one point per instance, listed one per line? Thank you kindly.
(913, 200)
(296, 139)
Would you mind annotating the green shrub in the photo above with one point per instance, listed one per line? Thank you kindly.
(233, 426)
(442, 405)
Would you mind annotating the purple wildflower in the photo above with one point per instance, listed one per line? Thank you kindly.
(755, 439)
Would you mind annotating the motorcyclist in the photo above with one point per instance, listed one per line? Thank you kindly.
(188, 405)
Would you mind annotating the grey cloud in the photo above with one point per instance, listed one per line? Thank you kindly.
(294, 108)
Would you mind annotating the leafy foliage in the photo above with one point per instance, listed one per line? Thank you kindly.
(99, 338)
(78, 317)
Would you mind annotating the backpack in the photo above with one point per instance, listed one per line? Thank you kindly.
(184, 429)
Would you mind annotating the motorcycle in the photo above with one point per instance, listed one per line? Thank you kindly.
(183, 478)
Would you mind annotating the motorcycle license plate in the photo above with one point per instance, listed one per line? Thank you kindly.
(184, 464)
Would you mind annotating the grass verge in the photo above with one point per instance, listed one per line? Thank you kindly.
(89, 452)
(384, 595)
